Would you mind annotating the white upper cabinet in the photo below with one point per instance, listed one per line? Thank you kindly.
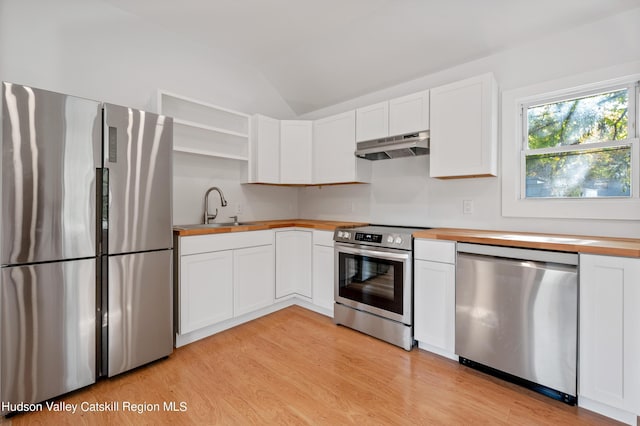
(409, 114)
(334, 143)
(265, 150)
(372, 122)
(464, 128)
(295, 151)
(205, 129)
(399, 116)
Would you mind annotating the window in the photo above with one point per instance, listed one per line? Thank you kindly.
(582, 160)
(579, 145)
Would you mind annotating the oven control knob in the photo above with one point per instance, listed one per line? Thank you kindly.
(347, 235)
(340, 234)
(398, 240)
(390, 239)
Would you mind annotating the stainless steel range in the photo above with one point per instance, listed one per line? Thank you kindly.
(374, 282)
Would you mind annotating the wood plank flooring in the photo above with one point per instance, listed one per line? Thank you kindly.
(295, 367)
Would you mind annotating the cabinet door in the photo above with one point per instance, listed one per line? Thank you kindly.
(434, 305)
(609, 337)
(293, 263)
(206, 290)
(334, 142)
(409, 114)
(295, 151)
(265, 149)
(464, 128)
(253, 278)
(323, 276)
(372, 122)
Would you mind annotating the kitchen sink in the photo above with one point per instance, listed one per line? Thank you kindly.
(213, 225)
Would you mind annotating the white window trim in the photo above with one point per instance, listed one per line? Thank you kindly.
(514, 204)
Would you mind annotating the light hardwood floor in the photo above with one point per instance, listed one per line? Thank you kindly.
(295, 367)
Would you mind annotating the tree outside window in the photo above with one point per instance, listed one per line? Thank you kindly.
(579, 147)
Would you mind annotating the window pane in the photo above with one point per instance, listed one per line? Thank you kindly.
(593, 173)
(595, 118)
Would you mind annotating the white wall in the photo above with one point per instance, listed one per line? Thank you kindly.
(250, 202)
(90, 49)
(403, 194)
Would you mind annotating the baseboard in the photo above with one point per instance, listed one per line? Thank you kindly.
(438, 351)
(315, 308)
(185, 339)
(608, 411)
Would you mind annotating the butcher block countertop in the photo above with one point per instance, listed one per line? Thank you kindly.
(628, 247)
(324, 225)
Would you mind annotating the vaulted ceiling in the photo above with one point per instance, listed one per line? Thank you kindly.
(317, 53)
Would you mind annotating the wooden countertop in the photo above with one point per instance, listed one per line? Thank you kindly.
(628, 247)
(325, 225)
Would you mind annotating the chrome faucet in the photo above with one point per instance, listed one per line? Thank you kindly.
(208, 217)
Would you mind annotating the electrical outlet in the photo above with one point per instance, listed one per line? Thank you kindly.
(238, 209)
(467, 207)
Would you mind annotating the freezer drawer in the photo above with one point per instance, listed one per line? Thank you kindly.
(519, 315)
(140, 310)
(48, 329)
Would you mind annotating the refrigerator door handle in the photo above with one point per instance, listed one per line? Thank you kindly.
(102, 216)
(102, 317)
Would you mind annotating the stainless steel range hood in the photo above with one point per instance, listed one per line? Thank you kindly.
(409, 145)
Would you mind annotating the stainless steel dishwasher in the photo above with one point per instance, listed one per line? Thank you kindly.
(517, 313)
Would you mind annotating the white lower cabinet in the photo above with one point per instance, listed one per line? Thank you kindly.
(253, 276)
(221, 277)
(434, 296)
(293, 263)
(223, 280)
(609, 353)
(323, 273)
(206, 290)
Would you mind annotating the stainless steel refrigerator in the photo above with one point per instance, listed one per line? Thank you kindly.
(85, 242)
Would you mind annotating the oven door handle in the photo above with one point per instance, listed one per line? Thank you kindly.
(372, 253)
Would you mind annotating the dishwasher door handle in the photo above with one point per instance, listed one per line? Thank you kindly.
(565, 258)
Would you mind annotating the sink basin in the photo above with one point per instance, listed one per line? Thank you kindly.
(212, 225)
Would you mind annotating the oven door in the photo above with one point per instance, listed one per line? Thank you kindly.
(375, 280)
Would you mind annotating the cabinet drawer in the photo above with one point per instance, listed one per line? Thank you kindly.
(232, 240)
(435, 250)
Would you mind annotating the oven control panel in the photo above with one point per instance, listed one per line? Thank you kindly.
(368, 238)
(397, 238)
